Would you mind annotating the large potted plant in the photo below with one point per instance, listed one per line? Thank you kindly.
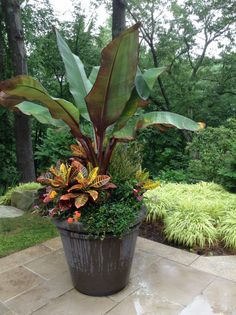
(98, 219)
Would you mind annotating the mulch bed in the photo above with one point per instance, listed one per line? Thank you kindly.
(155, 232)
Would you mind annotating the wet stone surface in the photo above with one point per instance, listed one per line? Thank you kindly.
(164, 281)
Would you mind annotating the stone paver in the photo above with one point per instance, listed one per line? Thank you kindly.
(49, 266)
(54, 243)
(16, 281)
(142, 303)
(4, 310)
(23, 257)
(178, 255)
(10, 212)
(169, 280)
(40, 295)
(164, 281)
(221, 295)
(222, 266)
(74, 303)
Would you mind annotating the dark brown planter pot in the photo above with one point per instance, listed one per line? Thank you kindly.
(98, 267)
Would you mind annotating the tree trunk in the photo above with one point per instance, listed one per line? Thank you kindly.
(24, 151)
(118, 17)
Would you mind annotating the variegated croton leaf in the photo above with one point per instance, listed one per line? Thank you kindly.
(73, 185)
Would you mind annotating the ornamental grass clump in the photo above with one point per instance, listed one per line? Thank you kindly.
(192, 213)
(190, 227)
(227, 229)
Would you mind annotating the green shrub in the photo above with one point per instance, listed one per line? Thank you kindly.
(227, 229)
(208, 151)
(55, 146)
(190, 227)
(115, 218)
(6, 199)
(163, 151)
(8, 172)
(174, 176)
(126, 161)
(228, 171)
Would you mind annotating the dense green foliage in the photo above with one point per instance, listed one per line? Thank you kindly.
(193, 214)
(53, 146)
(23, 232)
(209, 150)
(228, 171)
(114, 218)
(126, 161)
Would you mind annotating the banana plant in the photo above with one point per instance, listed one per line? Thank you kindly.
(108, 99)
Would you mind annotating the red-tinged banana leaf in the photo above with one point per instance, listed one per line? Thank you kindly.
(25, 88)
(130, 109)
(40, 113)
(78, 82)
(114, 84)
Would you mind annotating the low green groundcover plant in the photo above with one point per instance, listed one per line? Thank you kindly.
(25, 231)
(194, 214)
(6, 199)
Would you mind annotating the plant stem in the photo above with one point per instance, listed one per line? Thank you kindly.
(100, 140)
(107, 156)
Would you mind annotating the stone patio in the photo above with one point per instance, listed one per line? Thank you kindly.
(164, 281)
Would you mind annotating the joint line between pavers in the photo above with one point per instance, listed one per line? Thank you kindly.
(117, 303)
(34, 272)
(25, 291)
(27, 261)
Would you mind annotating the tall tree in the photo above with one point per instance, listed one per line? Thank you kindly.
(118, 16)
(24, 151)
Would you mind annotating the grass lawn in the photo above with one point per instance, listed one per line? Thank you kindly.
(25, 231)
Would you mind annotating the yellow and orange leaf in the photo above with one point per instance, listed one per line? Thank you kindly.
(69, 196)
(81, 200)
(93, 194)
(100, 181)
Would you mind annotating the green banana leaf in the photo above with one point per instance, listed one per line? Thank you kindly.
(144, 82)
(79, 84)
(161, 120)
(40, 113)
(139, 98)
(94, 73)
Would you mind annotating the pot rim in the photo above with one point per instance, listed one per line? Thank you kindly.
(79, 228)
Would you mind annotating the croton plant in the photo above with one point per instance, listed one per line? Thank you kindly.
(109, 100)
